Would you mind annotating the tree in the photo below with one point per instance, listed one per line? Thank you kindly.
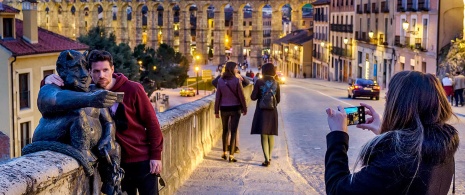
(123, 59)
(161, 68)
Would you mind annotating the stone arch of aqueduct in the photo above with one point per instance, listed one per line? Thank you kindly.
(71, 19)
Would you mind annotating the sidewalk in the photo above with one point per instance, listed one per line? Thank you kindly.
(217, 176)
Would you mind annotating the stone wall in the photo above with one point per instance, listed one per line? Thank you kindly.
(189, 132)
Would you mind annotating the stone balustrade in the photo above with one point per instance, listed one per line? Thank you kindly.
(189, 131)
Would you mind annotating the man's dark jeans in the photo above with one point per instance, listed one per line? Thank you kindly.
(458, 94)
(232, 118)
(137, 177)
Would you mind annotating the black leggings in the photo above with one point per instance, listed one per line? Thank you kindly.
(231, 118)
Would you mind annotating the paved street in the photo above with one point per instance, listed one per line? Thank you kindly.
(300, 147)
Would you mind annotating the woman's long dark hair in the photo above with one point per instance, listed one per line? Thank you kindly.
(416, 108)
(229, 71)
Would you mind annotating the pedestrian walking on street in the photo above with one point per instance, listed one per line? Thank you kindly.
(448, 86)
(230, 100)
(413, 152)
(265, 121)
(459, 85)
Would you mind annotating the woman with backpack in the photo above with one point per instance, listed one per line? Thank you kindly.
(230, 100)
(265, 120)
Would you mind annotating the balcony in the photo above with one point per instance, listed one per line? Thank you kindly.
(423, 6)
(397, 42)
(400, 7)
(321, 18)
(384, 7)
(374, 8)
(337, 51)
(359, 9)
(348, 28)
(410, 7)
(366, 8)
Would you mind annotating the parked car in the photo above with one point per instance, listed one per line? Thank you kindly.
(363, 88)
(280, 77)
(187, 91)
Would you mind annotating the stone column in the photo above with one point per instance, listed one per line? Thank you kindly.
(66, 26)
(276, 24)
(296, 18)
(185, 33)
(123, 26)
(137, 19)
(152, 28)
(108, 21)
(201, 35)
(81, 22)
(257, 39)
(237, 36)
(168, 25)
(218, 39)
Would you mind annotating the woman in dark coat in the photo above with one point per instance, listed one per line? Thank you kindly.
(265, 122)
(413, 152)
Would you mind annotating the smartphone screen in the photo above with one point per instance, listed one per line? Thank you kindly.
(355, 115)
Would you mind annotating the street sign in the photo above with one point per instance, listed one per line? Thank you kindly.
(206, 74)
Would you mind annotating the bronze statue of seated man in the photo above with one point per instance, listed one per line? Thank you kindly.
(76, 121)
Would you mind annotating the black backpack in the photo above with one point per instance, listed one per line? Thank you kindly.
(268, 100)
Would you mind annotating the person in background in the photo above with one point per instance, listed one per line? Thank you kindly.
(459, 85)
(251, 74)
(413, 151)
(265, 122)
(447, 84)
(230, 101)
(137, 129)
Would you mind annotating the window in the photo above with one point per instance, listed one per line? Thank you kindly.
(7, 27)
(244, 23)
(303, 23)
(24, 93)
(47, 72)
(25, 133)
(360, 57)
(250, 23)
(402, 66)
(423, 67)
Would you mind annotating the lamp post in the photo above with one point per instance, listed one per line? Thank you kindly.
(197, 78)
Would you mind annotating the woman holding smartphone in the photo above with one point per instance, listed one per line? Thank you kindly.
(413, 152)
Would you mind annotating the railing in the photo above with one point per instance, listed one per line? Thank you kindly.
(422, 5)
(341, 27)
(397, 41)
(366, 8)
(384, 7)
(189, 133)
(359, 9)
(374, 8)
(321, 18)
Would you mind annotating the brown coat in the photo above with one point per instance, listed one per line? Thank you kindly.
(264, 121)
(459, 82)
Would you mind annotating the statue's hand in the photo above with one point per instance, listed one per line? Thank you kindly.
(105, 143)
(102, 99)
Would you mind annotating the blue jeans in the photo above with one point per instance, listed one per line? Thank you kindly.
(458, 94)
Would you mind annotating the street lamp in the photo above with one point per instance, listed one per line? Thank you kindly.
(370, 34)
(405, 26)
(154, 68)
(197, 78)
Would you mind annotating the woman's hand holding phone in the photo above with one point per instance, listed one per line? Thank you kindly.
(373, 123)
(337, 119)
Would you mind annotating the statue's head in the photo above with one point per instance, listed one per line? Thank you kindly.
(71, 66)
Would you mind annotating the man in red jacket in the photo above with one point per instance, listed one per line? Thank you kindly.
(137, 129)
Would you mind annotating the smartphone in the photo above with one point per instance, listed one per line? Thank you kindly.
(355, 115)
(119, 96)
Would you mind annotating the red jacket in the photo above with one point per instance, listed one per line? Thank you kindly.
(138, 131)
